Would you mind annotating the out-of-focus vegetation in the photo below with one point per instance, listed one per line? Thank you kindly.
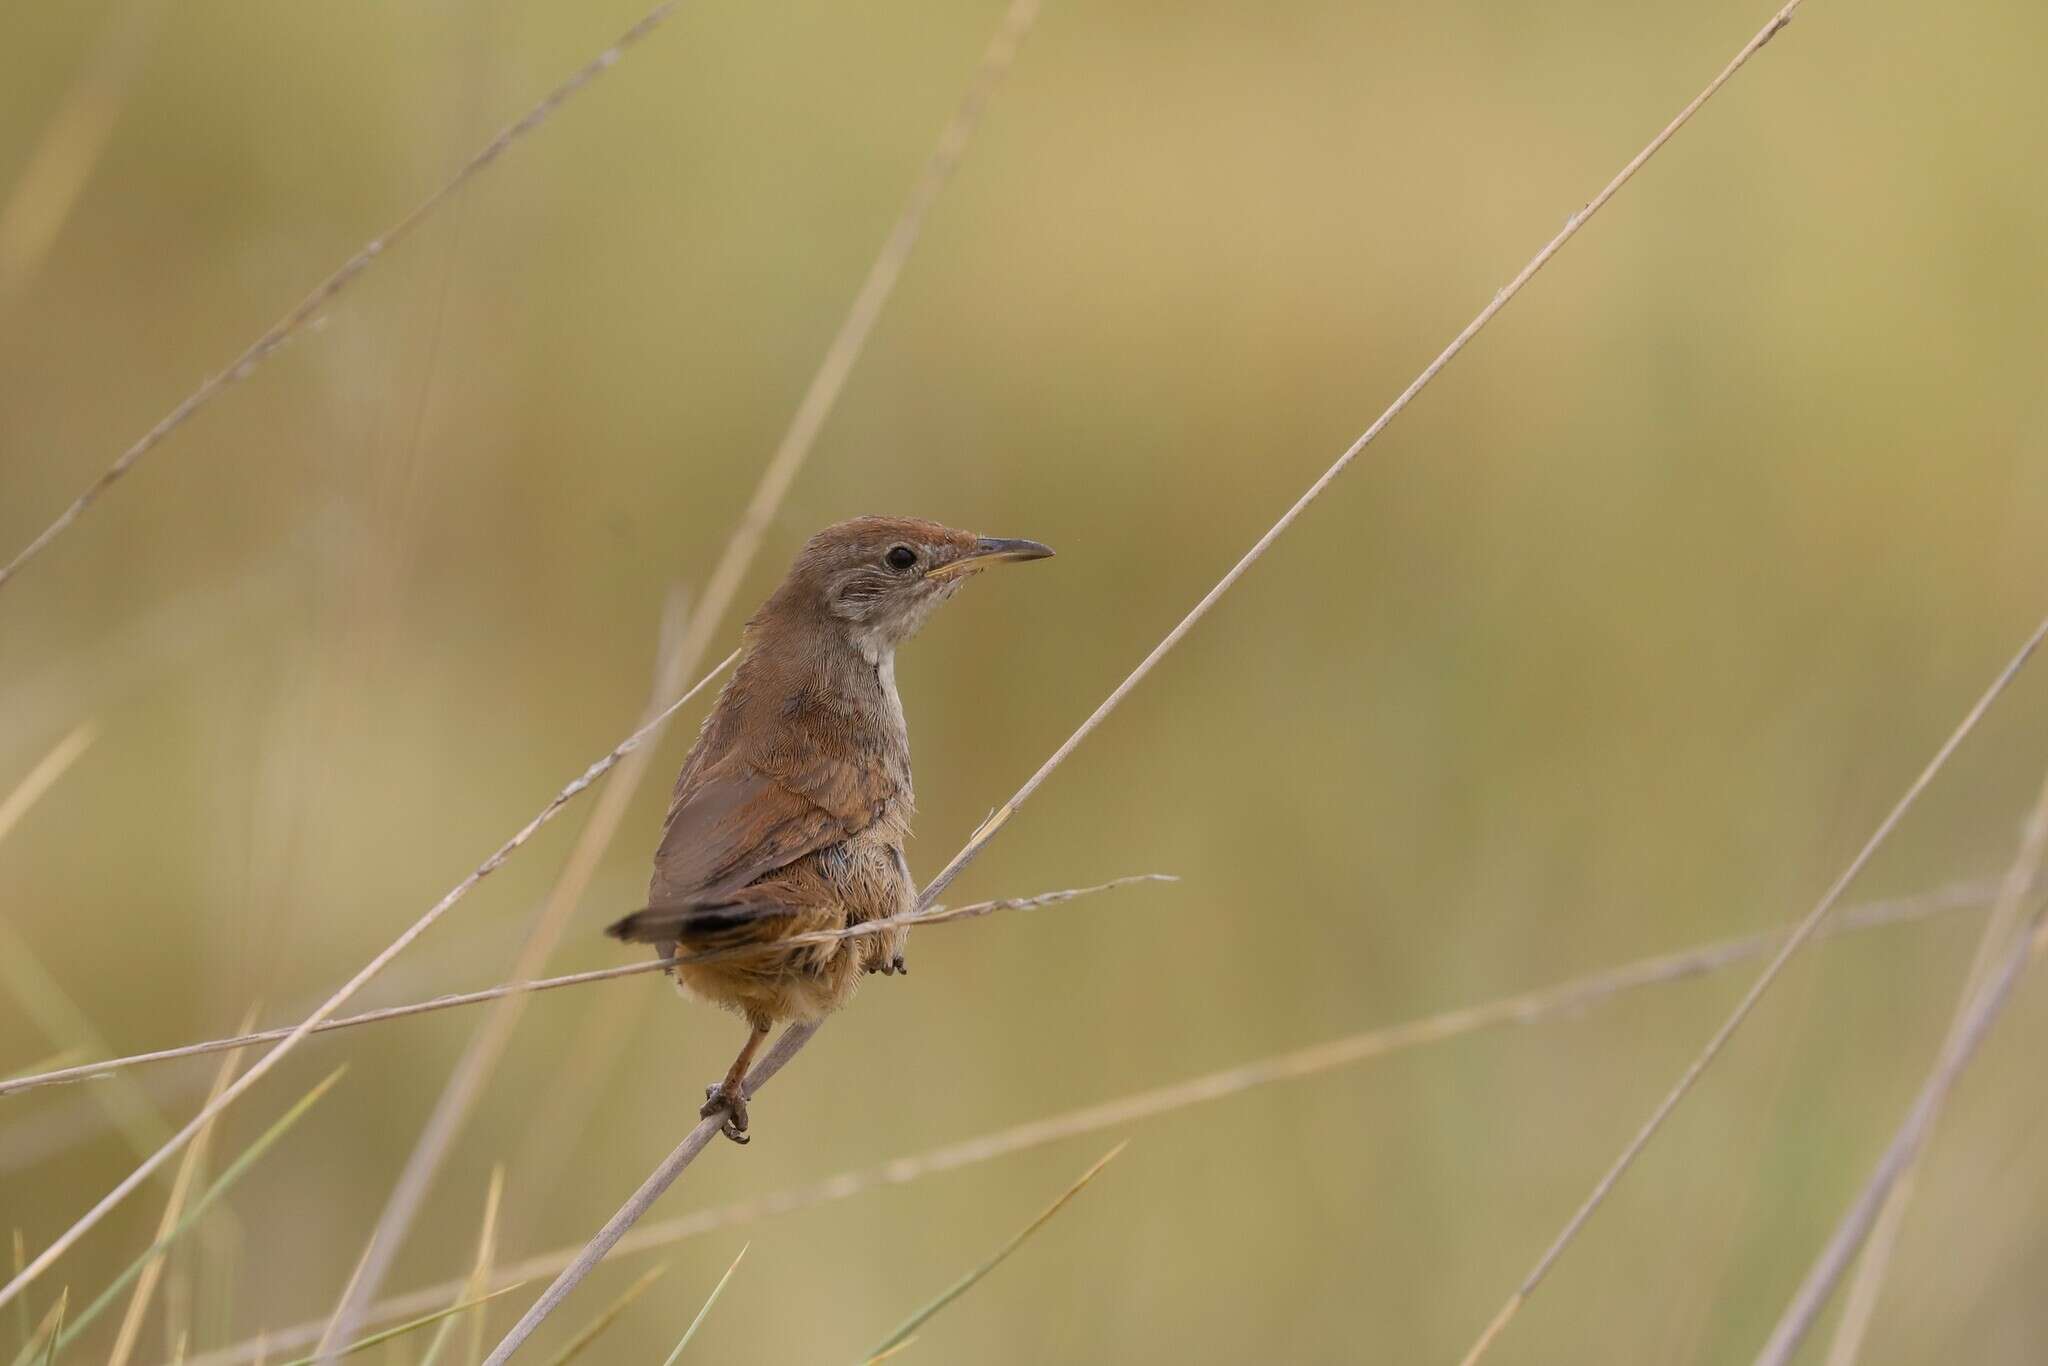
(1623, 638)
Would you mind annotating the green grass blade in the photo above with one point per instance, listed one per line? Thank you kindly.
(233, 1173)
(480, 1270)
(46, 1331)
(709, 1300)
(364, 1344)
(50, 1357)
(21, 1304)
(36, 989)
(960, 1287)
(605, 1320)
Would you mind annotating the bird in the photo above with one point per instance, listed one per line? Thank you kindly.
(793, 806)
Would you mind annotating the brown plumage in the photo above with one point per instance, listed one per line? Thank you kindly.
(792, 809)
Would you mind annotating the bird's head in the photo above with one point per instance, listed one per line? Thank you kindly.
(878, 578)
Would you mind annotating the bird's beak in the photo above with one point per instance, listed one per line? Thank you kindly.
(987, 551)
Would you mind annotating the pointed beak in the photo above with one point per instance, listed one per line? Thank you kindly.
(987, 551)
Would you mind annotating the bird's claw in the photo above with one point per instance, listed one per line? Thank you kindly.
(730, 1102)
(890, 967)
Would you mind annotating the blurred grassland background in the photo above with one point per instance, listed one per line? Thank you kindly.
(1622, 639)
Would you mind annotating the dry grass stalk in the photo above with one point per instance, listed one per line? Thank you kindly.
(663, 1176)
(486, 1262)
(1999, 929)
(19, 1247)
(92, 1071)
(938, 915)
(1565, 999)
(1457, 344)
(174, 1209)
(979, 840)
(44, 775)
(829, 380)
(286, 327)
(69, 1056)
(298, 1034)
(1801, 933)
(1828, 1269)
(741, 548)
(472, 1070)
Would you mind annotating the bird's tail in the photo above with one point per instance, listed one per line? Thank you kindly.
(738, 919)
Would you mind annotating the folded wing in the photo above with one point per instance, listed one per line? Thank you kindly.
(734, 826)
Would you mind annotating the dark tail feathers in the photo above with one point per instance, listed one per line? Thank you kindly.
(692, 923)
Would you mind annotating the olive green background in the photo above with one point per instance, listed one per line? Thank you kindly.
(1623, 638)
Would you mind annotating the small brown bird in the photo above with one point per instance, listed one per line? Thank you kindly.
(791, 811)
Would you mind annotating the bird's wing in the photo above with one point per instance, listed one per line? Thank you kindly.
(737, 824)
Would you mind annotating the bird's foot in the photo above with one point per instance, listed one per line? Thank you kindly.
(891, 966)
(730, 1102)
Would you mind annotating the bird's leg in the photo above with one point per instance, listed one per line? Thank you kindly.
(729, 1097)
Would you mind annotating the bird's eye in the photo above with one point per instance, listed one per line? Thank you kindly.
(900, 557)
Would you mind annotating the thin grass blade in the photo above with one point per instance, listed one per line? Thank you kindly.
(54, 1011)
(221, 1184)
(480, 1271)
(596, 1327)
(44, 775)
(174, 1209)
(46, 1331)
(376, 1339)
(36, 989)
(50, 1357)
(966, 1283)
(703, 1313)
(20, 1261)
(487, 1046)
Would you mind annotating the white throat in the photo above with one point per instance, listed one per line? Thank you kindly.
(877, 649)
(885, 674)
